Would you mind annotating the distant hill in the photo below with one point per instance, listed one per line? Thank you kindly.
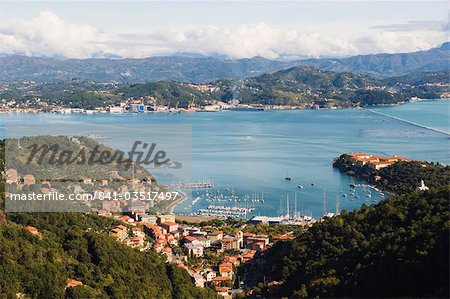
(304, 86)
(208, 69)
(300, 85)
(422, 78)
(176, 68)
(387, 65)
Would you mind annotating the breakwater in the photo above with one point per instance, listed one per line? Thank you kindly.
(410, 122)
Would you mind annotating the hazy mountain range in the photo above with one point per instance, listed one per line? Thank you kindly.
(209, 69)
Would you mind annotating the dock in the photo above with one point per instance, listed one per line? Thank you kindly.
(410, 122)
(190, 185)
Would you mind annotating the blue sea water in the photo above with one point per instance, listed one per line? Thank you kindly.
(252, 152)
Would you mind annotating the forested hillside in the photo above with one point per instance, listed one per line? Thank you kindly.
(404, 177)
(397, 248)
(398, 178)
(76, 246)
(299, 85)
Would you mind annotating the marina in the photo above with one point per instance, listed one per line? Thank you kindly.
(224, 212)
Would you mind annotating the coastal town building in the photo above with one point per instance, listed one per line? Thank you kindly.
(126, 219)
(152, 219)
(258, 242)
(194, 249)
(230, 242)
(34, 231)
(73, 283)
(181, 243)
(137, 232)
(209, 274)
(226, 269)
(267, 220)
(204, 241)
(166, 218)
(134, 242)
(169, 226)
(11, 176)
(375, 162)
(119, 232)
(215, 236)
(29, 179)
(87, 181)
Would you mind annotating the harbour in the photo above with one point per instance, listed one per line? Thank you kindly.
(249, 153)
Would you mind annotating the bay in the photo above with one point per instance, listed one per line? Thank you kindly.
(250, 153)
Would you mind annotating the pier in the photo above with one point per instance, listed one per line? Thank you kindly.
(410, 122)
(224, 212)
(190, 185)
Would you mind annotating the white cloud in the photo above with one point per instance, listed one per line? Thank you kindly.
(415, 26)
(395, 42)
(49, 35)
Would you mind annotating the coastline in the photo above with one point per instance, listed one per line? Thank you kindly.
(284, 108)
(169, 209)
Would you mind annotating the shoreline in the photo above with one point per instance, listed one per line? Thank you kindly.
(287, 108)
(170, 208)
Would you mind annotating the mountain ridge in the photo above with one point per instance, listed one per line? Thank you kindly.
(209, 69)
(302, 86)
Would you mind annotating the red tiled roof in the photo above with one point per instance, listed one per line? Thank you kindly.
(250, 253)
(283, 237)
(31, 229)
(381, 163)
(73, 283)
(168, 223)
(221, 278)
(231, 259)
(190, 238)
(167, 249)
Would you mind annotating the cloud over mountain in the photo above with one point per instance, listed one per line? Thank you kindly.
(48, 35)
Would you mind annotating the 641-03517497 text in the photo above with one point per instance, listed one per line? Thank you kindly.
(97, 195)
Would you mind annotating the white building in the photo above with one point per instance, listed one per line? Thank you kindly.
(193, 249)
(115, 110)
(422, 186)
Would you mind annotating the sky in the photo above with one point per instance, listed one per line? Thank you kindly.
(232, 29)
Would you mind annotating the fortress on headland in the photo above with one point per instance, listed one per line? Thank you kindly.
(375, 162)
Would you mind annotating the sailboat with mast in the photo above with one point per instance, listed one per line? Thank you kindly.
(288, 212)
